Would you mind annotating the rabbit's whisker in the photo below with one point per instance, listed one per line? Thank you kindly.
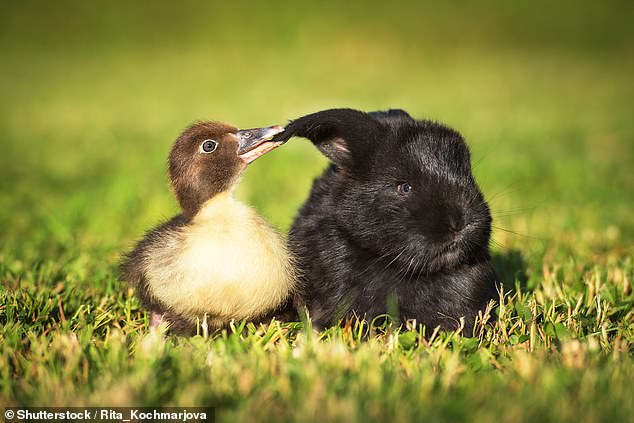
(514, 232)
(504, 191)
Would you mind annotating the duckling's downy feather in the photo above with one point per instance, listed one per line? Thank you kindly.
(227, 263)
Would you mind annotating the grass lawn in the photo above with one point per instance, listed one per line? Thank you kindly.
(92, 96)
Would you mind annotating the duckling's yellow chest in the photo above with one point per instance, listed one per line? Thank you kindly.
(229, 263)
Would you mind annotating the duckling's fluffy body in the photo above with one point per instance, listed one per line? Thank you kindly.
(226, 263)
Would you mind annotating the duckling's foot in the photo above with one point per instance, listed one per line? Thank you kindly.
(156, 319)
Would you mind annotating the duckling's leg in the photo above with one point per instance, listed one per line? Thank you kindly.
(156, 319)
(205, 327)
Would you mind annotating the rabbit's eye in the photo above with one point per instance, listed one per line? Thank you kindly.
(404, 188)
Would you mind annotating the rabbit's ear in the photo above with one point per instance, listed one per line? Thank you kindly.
(391, 115)
(342, 135)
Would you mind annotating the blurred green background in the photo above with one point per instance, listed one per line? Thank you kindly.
(92, 94)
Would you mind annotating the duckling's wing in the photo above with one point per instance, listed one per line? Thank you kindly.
(133, 267)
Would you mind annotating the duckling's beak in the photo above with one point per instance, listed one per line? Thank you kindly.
(253, 143)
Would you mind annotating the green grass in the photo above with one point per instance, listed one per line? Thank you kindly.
(91, 98)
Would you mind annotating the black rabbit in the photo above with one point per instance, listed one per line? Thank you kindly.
(396, 222)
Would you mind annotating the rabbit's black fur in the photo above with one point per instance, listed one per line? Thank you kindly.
(366, 246)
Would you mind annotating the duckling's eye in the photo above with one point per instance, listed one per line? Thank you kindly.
(208, 146)
(404, 188)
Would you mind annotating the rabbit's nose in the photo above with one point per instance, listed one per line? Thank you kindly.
(456, 220)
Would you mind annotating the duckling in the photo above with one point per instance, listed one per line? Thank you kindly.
(218, 260)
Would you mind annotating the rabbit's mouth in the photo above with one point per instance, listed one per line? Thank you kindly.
(447, 257)
(431, 260)
(457, 253)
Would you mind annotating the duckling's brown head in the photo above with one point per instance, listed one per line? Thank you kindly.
(208, 158)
